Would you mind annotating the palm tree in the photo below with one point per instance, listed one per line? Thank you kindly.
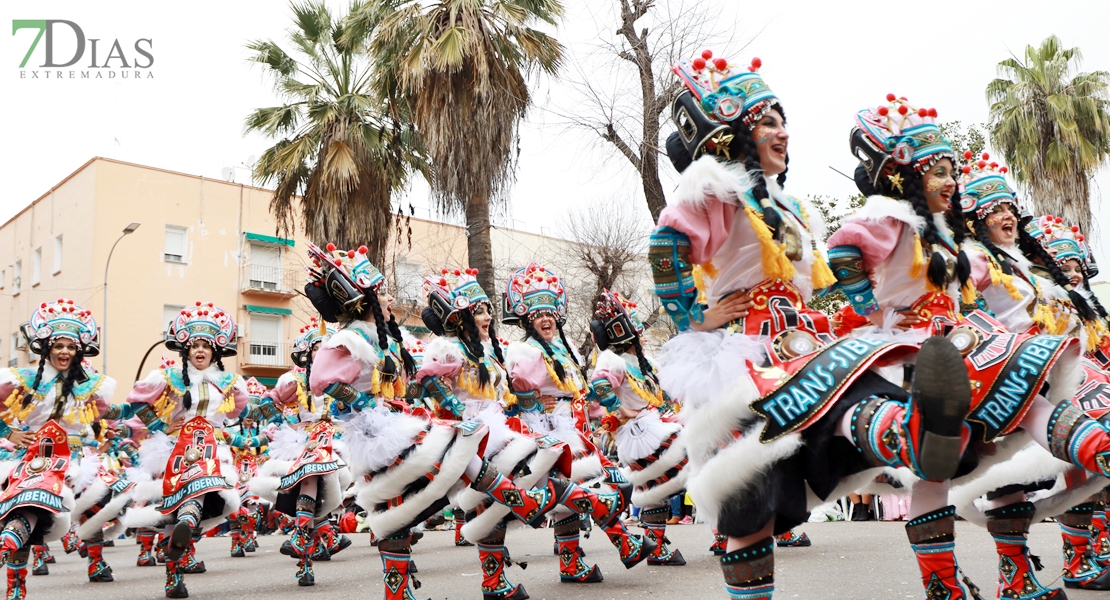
(458, 68)
(336, 147)
(1053, 128)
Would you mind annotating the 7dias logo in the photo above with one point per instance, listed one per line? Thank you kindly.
(72, 55)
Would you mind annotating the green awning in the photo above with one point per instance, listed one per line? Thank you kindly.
(267, 310)
(267, 381)
(268, 239)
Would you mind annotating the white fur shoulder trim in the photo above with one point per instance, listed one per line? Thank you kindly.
(355, 344)
(609, 361)
(286, 377)
(707, 178)
(520, 352)
(443, 350)
(878, 208)
(107, 389)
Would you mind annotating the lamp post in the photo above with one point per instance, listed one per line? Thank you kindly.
(104, 322)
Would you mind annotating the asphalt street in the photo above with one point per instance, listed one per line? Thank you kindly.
(856, 561)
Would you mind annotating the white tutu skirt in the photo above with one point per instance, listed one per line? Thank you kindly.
(654, 454)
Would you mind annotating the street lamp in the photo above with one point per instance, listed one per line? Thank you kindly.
(104, 322)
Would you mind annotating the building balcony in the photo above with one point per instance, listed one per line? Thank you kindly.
(273, 281)
(257, 355)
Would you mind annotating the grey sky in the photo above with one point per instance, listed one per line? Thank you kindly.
(824, 59)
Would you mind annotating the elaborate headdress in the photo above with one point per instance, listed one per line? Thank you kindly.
(533, 289)
(717, 94)
(339, 280)
(203, 321)
(451, 292)
(255, 389)
(897, 134)
(315, 331)
(1062, 241)
(58, 319)
(615, 320)
(983, 186)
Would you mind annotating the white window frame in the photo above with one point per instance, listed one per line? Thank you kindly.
(267, 277)
(17, 277)
(57, 255)
(173, 256)
(267, 352)
(36, 266)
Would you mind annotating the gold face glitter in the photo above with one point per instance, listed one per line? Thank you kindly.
(934, 186)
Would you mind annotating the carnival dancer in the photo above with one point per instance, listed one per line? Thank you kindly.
(306, 479)
(463, 379)
(46, 410)
(184, 406)
(650, 446)
(764, 383)
(247, 442)
(553, 399)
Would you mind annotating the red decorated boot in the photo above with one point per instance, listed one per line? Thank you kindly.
(188, 562)
(460, 520)
(933, 539)
(146, 549)
(1081, 570)
(750, 572)
(719, 544)
(1100, 540)
(1009, 526)
(494, 557)
(396, 555)
(654, 521)
(99, 571)
(175, 581)
(38, 565)
(528, 506)
(571, 567)
(17, 577)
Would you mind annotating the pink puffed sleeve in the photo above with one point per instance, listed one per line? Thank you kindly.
(529, 373)
(980, 270)
(149, 390)
(241, 396)
(707, 225)
(333, 365)
(875, 239)
(440, 360)
(616, 378)
(284, 393)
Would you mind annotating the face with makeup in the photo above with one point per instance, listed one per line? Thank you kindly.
(200, 355)
(771, 140)
(482, 318)
(62, 352)
(1072, 271)
(1002, 225)
(544, 323)
(939, 183)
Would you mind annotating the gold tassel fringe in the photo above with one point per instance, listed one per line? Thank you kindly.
(775, 263)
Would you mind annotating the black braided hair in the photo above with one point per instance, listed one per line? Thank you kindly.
(308, 376)
(1091, 294)
(73, 373)
(530, 332)
(472, 342)
(1034, 250)
(645, 366)
(981, 234)
(745, 150)
(493, 341)
(219, 360)
(44, 356)
(955, 219)
(395, 331)
(570, 352)
(913, 191)
(187, 399)
(383, 331)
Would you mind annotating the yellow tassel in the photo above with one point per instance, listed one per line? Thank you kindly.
(14, 397)
(917, 268)
(709, 269)
(968, 293)
(700, 272)
(775, 263)
(228, 404)
(398, 388)
(510, 399)
(323, 330)
(822, 275)
(375, 382)
(1095, 332)
(302, 397)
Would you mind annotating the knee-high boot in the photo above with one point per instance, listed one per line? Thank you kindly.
(1009, 526)
(494, 557)
(175, 581)
(460, 520)
(1080, 568)
(17, 574)
(605, 508)
(654, 521)
(99, 571)
(146, 549)
(933, 539)
(571, 567)
(396, 552)
(750, 571)
(38, 562)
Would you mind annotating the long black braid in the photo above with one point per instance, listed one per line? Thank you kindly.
(571, 353)
(187, 399)
(44, 356)
(1091, 295)
(955, 220)
(493, 341)
(530, 332)
(645, 366)
(308, 375)
(746, 150)
(69, 378)
(981, 234)
(383, 332)
(472, 342)
(1034, 250)
(395, 331)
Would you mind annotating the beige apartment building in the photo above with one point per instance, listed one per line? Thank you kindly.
(199, 239)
